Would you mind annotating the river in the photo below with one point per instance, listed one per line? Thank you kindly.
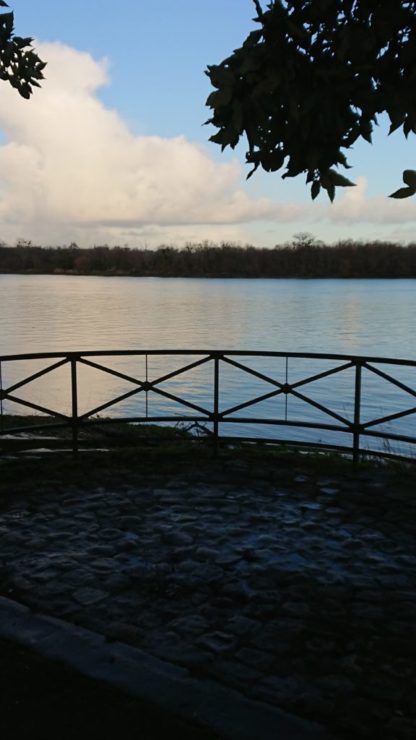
(47, 313)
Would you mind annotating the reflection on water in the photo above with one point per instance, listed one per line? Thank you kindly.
(56, 313)
(49, 313)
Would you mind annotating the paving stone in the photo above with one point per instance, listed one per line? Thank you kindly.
(205, 553)
(102, 565)
(297, 594)
(241, 625)
(217, 642)
(88, 596)
(238, 590)
(44, 576)
(192, 624)
(311, 506)
(103, 550)
(117, 582)
(258, 659)
(227, 559)
(177, 538)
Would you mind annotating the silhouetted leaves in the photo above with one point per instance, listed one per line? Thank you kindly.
(409, 178)
(19, 64)
(312, 80)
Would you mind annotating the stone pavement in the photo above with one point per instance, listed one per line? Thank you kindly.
(297, 590)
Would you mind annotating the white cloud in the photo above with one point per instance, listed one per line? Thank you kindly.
(355, 207)
(71, 169)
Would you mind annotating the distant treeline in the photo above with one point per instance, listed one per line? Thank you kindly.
(303, 258)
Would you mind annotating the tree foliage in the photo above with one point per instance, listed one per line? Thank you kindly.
(303, 257)
(19, 64)
(311, 80)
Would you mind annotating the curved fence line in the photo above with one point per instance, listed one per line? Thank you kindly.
(218, 407)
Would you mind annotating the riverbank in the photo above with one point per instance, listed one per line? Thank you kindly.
(291, 581)
(304, 258)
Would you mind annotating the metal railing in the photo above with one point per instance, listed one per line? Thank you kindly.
(221, 415)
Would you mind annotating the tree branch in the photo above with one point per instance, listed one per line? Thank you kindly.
(258, 8)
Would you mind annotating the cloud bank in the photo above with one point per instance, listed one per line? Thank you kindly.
(356, 207)
(72, 170)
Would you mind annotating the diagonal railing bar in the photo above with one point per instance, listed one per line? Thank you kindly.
(250, 371)
(129, 378)
(112, 402)
(148, 386)
(289, 389)
(35, 376)
(181, 370)
(390, 379)
(181, 401)
(110, 371)
(252, 402)
(336, 422)
(36, 407)
(390, 417)
(321, 407)
(324, 374)
(298, 383)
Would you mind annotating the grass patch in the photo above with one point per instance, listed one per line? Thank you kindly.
(115, 452)
(184, 455)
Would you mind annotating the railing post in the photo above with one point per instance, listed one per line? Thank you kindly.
(216, 400)
(147, 388)
(1, 398)
(357, 414)
(74, 393)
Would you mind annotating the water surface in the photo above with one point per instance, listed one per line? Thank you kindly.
(354, 317)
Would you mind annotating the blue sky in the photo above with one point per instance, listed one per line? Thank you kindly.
(113, 148)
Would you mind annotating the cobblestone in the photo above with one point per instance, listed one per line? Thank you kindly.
(301, 594)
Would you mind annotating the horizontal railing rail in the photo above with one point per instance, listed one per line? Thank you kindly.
(218, 409)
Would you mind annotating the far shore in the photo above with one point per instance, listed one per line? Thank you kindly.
(304, 257)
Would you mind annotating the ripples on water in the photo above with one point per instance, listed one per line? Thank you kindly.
(62, 313)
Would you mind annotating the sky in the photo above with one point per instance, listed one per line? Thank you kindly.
(113, 148)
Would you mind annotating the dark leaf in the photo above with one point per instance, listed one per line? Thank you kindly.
(312, 81)
(366, 130)
(339, 180)
(315, 189)
(225, 137)
(237, 116)
(331, 192)
(219, 97)
(403, 193)
(252, 171)
(221, 76)
(409, 177)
